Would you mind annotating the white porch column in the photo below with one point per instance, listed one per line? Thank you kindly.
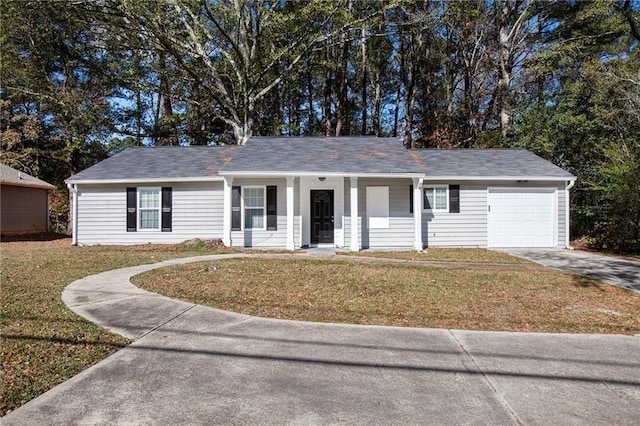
(226, 212)
(355, 246)
(417, 214)
(290, 218)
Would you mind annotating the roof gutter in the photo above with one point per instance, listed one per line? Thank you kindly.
(150, 180)
(315, 174)
(27, 184)
(502, 178)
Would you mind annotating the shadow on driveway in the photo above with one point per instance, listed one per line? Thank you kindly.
(612, 270)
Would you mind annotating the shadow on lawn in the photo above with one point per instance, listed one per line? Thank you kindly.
(41, 236)
(586, 282)
(62, 340)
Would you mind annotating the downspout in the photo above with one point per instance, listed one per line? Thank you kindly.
(73, 191)
(566, 213)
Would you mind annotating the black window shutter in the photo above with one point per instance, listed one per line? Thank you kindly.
(410, 198)
(166, 209)
(454, 198)
(132, 214)
(272, 208)
(236, 219)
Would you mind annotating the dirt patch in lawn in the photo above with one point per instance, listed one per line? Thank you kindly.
(402, 295)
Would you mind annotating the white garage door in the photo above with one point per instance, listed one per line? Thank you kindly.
(521, 218)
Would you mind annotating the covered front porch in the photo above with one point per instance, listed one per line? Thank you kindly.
(316, 210)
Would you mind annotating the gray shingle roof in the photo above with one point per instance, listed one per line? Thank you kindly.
(168, 162)
(11, 176)
(347, 155)
(517, 163)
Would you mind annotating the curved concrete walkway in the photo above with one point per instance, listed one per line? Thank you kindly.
(192, 364)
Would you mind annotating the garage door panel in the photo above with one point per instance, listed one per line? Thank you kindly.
(521, 218)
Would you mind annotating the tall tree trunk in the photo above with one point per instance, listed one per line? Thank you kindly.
(376, 104)
(363, 39)
(138, 117)
(401, 65)
(468, 136)
(410, 91)
(511, 19)
(341, 96)
(167, 127)
(311, 120)
(327, 96)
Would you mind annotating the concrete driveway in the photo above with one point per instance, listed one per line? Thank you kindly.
(191, 364)
(612, 270)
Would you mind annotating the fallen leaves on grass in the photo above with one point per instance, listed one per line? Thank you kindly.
(459, 255)
(42, 343)
(403, 295)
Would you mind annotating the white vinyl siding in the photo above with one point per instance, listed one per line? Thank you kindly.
(263, 238)
(562, 221)
(196, 213)
(465, 229)
(400, 233)
(469, 228)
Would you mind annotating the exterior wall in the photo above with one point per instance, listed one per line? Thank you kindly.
(270, 239)
(469, 227)
(196, 213)
(400, 233)
(562, 220)
(23, 209)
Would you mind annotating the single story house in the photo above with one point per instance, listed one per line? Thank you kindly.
(353, 193)
(24, 202)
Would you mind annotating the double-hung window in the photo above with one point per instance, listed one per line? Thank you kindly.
(253, 199)
(435, 198)
(149, 208)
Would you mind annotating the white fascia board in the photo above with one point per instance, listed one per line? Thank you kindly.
(501, 178)
(319, 174)
(136, 181)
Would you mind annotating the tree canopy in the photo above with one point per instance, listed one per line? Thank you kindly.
(83, 79)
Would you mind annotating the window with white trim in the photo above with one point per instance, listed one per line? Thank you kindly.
(253, 202)
(436, 198)
(149, 208)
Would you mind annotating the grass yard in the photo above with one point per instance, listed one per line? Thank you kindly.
(461, 255)
(403, 295)
(43, 343)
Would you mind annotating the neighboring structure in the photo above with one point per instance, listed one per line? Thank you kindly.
(24, 202)
(352, 193)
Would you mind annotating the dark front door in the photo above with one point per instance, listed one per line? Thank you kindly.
(321, 216)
